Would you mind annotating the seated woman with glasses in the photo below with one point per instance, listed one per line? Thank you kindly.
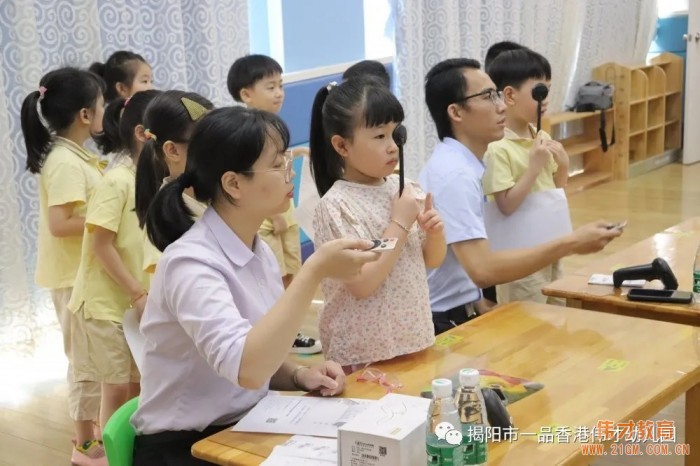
(218, 324)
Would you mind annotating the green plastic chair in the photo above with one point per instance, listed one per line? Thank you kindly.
(118, 435)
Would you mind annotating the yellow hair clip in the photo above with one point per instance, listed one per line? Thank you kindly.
(195, 110)
(147, 133)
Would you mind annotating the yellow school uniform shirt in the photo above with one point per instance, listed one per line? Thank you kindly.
(151, 254)
(69, 175)
(288, 217)
(507, 160)
(111, 208)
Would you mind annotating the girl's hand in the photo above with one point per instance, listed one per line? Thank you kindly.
(342, 259)
(429, 220)
(406, 208)
(327, 377)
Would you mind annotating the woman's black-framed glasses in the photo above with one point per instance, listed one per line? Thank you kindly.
(495, 96)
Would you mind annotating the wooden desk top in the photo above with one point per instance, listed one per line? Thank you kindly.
(677, 245)
(565, 349)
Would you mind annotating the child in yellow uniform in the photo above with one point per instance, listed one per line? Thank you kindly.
(170, 119)
(110, 278)
(71, 103)
(256, 80)
(125, 73)
(522, 162)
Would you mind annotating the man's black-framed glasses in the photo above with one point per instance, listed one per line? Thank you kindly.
(495, 96)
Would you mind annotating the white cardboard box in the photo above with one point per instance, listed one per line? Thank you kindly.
(388, 433)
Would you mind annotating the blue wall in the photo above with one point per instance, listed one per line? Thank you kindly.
(669, 35)
(259, 27)
(315, 33)
(322, 32)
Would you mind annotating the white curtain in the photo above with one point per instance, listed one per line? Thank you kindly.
(189, 43)
(575, 36)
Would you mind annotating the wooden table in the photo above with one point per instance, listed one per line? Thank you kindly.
(567, 351)
(677, 245)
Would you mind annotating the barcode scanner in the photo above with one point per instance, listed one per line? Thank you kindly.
(657, 270)
(539, 93)
(399, 136)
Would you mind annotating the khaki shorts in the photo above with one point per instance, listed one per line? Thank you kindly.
(83, 397)
(530, 287)
(101, 353)
(287, 249)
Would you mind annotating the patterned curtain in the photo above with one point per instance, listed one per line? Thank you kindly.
(189, 43)
(574, 35)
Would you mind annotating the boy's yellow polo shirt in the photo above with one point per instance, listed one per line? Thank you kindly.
(507, 160)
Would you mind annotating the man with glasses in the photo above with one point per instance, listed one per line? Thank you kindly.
(469, 113)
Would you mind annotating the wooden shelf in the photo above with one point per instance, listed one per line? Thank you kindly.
(576, 148)
(639, 85)
(578, 183)
(657, 81)
(648, 103)
(655, 141)
(566, 117)
(656, 111)
(672, 135)
(637, 147)
(673, 69)
(638, 117)
(674, 106)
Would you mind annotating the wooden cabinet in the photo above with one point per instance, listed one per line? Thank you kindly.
(648, 115)
(648, 112)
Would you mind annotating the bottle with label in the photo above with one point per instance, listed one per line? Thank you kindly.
(696, 277)
(473, 419)
(442, 442)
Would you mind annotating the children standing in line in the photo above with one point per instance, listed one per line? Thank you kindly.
(523, 162)
(111, 278)
(385, 312)
(256, 81)
(170, 120)
(71, 102)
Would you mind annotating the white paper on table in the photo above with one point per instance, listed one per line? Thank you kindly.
(281, 460)
(313, 450)
(308, 200)
(301, 415)
(542, 217)
(602, 279)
